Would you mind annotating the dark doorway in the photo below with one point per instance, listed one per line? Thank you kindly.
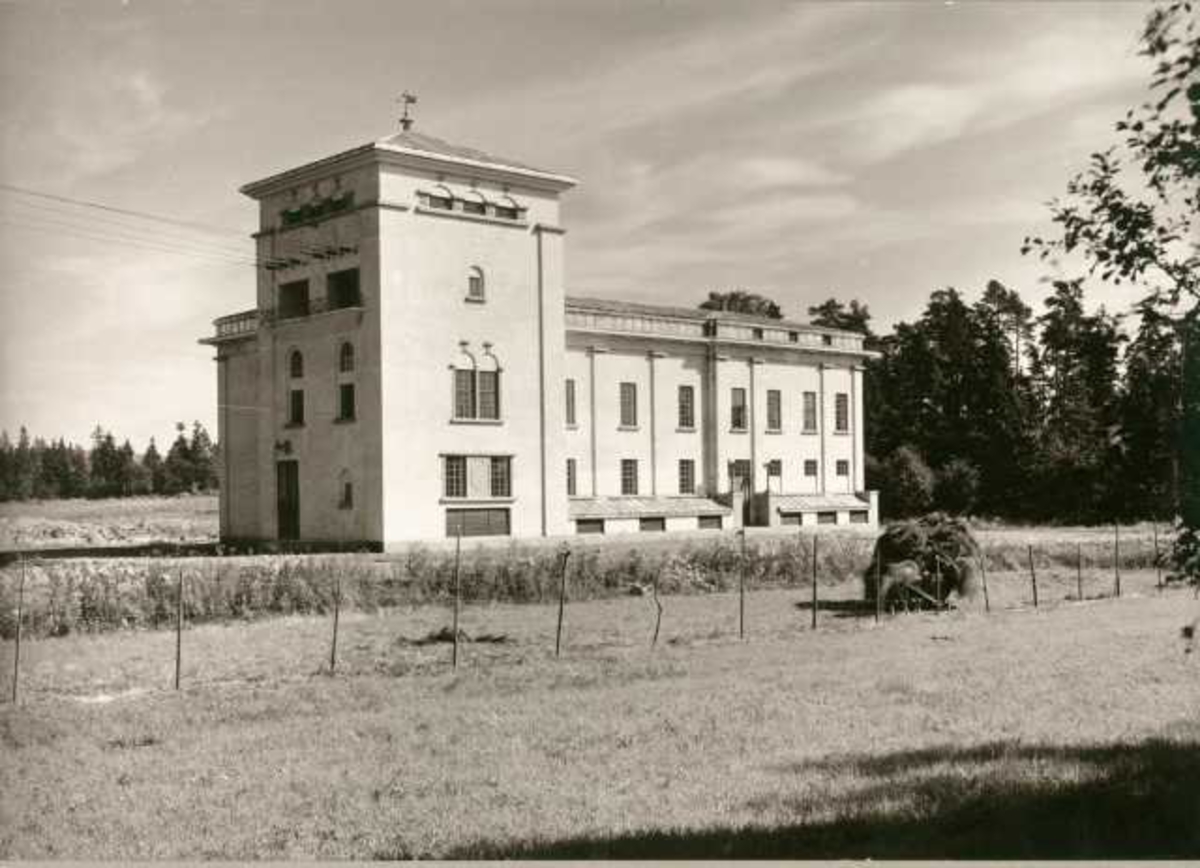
(288, 498)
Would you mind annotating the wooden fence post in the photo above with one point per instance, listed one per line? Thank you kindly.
(742, 588)
(457, 594)
(878, 589)
(814, 582)
(337, 607)
(20, 608)
(178, 627)
(1157, 560)
(1117, 558)
(562, 595)
(937, 581)
(987, 603)
(1079, 571)
(1033, 577)
(658, 616)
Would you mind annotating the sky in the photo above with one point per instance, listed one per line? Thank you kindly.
(876, 151)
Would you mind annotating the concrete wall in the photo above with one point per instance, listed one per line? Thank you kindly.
(609, 360)
(327, 451)
(428, 327)
(237, 436)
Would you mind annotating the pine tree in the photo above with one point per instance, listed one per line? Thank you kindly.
(1150, 419)
(178, 472)
(6, 467)
(153, 465)
(203, 454)
(23, 470)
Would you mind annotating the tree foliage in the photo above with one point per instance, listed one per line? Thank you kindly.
(740, 301)
(32, 468)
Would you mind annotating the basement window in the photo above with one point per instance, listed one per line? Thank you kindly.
(477, 522)
(589, 525)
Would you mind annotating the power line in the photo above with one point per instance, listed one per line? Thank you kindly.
(88, 223)
(292, 247)
(204, 227)
(142, 243)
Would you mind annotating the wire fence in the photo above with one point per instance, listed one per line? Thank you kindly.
(45, 599)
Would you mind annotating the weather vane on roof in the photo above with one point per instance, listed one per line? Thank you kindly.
(406, 99)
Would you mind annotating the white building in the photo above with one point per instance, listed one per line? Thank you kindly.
(413, 368)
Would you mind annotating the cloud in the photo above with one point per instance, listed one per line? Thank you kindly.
(974, 93)
(94, 125)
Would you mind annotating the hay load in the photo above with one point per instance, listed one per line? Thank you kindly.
(926, 559)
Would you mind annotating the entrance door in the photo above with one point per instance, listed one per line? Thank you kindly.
(288, 498)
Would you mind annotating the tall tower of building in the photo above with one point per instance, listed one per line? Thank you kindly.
(401, 375)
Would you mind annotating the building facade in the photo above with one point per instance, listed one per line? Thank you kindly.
(413, 369)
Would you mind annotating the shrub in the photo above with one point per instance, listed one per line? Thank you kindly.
(956, 488)
(906, 486)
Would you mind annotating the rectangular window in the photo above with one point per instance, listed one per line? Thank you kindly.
(827, 517)
(464, 394)
(347, 501)
(775, 467)
(501, 476)
(342, 289)
(570, 393)
(687, 407)
(709, 522)
(454, 471)
(794, 337)
(791, 518)
(859, 516)
(505, 212)
(774, 410)
(293, 299)
(445, 203)
(843, 468)
(470, 206)
(477, 522)
(475, 286)
(346, 402)
(570, 477)
(841, 412)
(687, 476)
(629, 476)
(489, 394)
(589, 525)
(656, 523)
(737, 413)
(810, 467)
(296, 407)
(628, 405)
(810, 412)
(739, 473)
(758, 334)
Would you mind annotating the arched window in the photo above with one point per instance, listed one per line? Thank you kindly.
(507, 208)
(476, 290)
(439, 197)
(296, 364)
(346, 358)
(474, 203)
(487, 385)
(476, 386)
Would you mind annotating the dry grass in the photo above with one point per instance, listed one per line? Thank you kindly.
(117, 521)
(1069, 731)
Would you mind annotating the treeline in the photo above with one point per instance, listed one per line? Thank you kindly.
(36, 469)
(986, 408)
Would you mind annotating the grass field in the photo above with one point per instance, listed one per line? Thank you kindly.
(117, 521)
(1067, 731)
